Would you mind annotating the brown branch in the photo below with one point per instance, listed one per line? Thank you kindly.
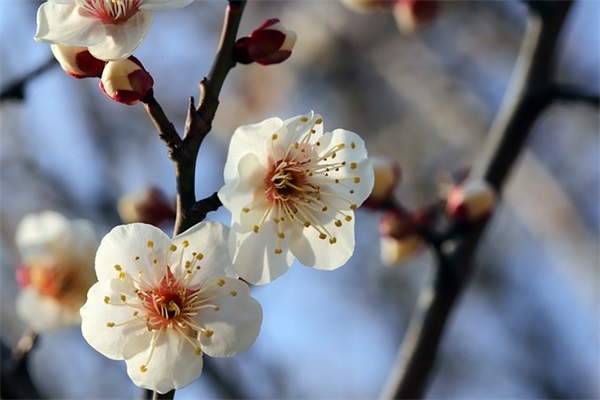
(16, 89)
(564, 92)
(529, 93)
(166, 130)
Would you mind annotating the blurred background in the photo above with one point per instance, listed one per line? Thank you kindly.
(527, 326)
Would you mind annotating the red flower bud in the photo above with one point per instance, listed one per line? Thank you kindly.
(77, 61)
(394, 252)
(470, 201)
(411, 15)
(270, 43)
(149, 205)
(126, 81)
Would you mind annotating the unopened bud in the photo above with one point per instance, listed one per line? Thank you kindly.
(77, 61)
(412, 15)
(387, 178)
(394, 251)
(22, 275)
(397, 224)
(149, 205)
(126, 81)
(471, 201)
(270, 43)
(367, 5)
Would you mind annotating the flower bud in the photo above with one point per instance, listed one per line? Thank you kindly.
(411, 15)
(77, 61)
(149, 205)
(270, 43)
(394, 252)
(397, 224)
(387, 178)
(471, 201)
(367, 5)
(126, 81)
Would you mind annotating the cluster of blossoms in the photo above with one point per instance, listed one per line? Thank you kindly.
(56, 271)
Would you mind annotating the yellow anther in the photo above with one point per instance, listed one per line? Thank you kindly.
(135, 313)
(304, 119)
(106, 299)
(221, 282)
(319, 121)
(118, 267)
(338, 223)
(332, 240)
(121, 275)
(351, 191)
(306, 224)
(110, 324)
(155, 261)
(245, 210)
(348, 218)
(197, 351)
(199, 256)
(281, 235)
(143, 368)
(324, 209)
(217, 308)
(357, 179)
(137, 258)
(185, 243)
(255, 228)
(123, 298)
(353, 165)
(150, 244)
(277, 251)
(208, 333)
(352, 145)
(322, 236)
(318, 143)
(353, 206)
(173, 248)
(233, 293)
(333, 155)
(274, 136)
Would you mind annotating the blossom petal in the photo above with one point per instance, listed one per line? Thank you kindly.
(62, 23)
(170, 361)
(236, 321)
(162, 5)
(124, 243)
(251, 139)
(253, 254)
(43, 313)
(319, 253)
(210, 240)
(96, 313)
(122, 40)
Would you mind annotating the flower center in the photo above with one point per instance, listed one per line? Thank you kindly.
(109, 11)
(286, 180)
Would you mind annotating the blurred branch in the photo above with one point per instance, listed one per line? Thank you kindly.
(575, 94)
(16, 90)
(15, 380)
(530, 91)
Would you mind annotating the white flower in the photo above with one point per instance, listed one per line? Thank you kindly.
(292, 191)
(159, 303)
(111, 29)
(57, 260)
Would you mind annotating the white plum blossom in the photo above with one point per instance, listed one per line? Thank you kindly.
(111, 29)
(292, 191)
(56, 271)
(160, 303)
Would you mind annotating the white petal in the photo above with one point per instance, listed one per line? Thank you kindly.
(173, 365)
(254, 257)
(312, 251)
(44, 314)
(209, 239)
(235, 324)
(122, 40)
(251, 139)
(126, 242)
(63, 24)
(95, 314)
(162, 5)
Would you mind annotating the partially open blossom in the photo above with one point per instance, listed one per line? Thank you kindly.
(126, 81)
(57, 269)
(471, 200)
(160, 303)
(400, 241)
(367, 5)
(77, 61)
(149, 205)
(270, 43)
(411, 15)
(292, 191)
(387, 178)
(111, 29)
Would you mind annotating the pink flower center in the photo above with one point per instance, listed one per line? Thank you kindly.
(287, 179)
(109, 11)
(171, 302)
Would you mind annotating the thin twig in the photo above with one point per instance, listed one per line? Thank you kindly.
(529, 93)
(564, 92)
(16, 89)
